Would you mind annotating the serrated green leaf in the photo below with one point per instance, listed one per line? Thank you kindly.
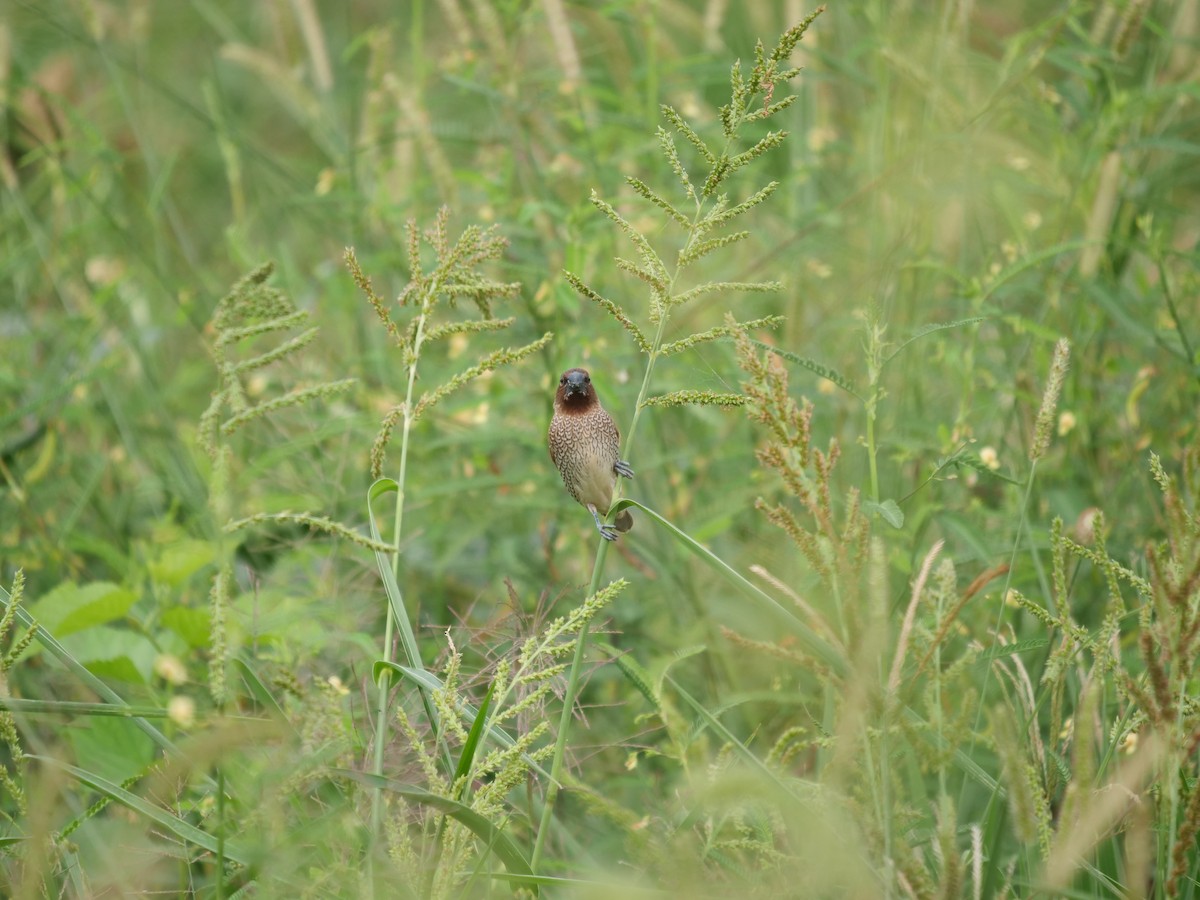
(113, 653)
(888, 510)
(70, 607)
(45, 639)
(113, 748)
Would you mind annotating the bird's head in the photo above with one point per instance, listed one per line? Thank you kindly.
(575, 392)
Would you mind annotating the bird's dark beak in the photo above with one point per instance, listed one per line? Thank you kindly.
(575, 385)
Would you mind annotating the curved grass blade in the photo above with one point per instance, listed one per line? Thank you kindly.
(427, 681)
(731, 740)
(594, 888)
(259, 691)
(407, 638)
(496, 840)
(813, 643)
(177, 826)
(59, 652)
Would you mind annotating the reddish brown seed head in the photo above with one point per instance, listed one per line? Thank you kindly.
(575, 394)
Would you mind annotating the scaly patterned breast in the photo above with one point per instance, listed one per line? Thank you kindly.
(585, 447)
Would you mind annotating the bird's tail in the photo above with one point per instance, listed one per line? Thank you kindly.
(624, 520)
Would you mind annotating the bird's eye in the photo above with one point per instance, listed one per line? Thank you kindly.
(563, 380)
(587, 379)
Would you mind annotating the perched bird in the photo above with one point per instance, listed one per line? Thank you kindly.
(584, 444)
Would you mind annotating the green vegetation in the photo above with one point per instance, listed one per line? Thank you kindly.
(898, 317)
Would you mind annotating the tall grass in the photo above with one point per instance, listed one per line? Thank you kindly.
(910, 607)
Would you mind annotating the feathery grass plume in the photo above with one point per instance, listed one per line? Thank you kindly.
(520, 687)
(10, 772)
(951, 876)
(1184, 849)
(1045, 417)
(1167, 639)
(454, 274)
(1027, 801)
(219, 599)
(834, 550)
(252, 309)
(698, 398)
(314, 523)
(1131, 24)
(703, 211)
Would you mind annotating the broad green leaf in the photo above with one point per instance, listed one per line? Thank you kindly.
(46, 639)
(888, 510)
(113, 653)
(180, 560)
(112, 748)
(191, 624)
(71, 607)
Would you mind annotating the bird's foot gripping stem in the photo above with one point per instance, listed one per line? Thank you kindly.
(608, 532)
(622, 468)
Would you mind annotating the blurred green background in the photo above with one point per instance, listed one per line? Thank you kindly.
(1033, 164)
(946, 161)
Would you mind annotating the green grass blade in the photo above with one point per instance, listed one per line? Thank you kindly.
(261, 693)
(407, 638)
(812, 642)
(467, 757)
(59, 652)
(78, 708)
(743, 751)
(177, 826)
(427, 681)
(499, 843)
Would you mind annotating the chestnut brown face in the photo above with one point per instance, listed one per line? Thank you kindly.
(575, 391)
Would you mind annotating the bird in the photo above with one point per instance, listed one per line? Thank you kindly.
(585, 445)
